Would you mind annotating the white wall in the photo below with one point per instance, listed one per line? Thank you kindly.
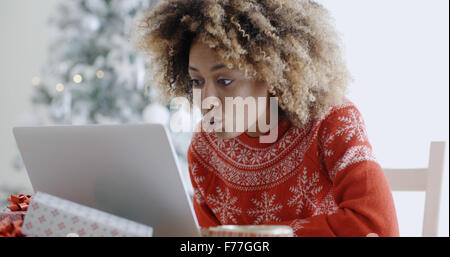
(23, 47)
(397, 51)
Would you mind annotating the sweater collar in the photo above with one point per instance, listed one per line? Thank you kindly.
(283, 125)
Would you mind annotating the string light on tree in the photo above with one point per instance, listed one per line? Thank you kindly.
(59, 87)
(35, 81)
(100, 74)
(77, 79)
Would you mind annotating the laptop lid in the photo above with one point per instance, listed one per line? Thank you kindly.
(127, 170)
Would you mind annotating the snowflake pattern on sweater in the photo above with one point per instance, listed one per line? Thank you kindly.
(322, 179)
(265, 209)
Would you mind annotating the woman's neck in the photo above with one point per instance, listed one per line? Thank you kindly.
(259, 133)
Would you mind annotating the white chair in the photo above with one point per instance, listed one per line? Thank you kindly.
(426, 179)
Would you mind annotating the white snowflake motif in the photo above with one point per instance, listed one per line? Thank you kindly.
(354, 126)
(232, 148)
(198, 196)
(256, 158)
(285, 142)
(224, 206)
(220, 143)
(270, 153)
(243, 155)
(194, 170)
(198, 190)
(305, 191)
(326, 140)
(265, 209)
(298, 224)
(327, 206)
(354, 154)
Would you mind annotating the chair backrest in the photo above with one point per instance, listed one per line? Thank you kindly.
(427, 179)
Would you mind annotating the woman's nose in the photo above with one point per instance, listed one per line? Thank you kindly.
(208, 91)
(210, 98)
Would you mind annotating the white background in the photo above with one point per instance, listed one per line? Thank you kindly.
(397, 51)
(23, 46)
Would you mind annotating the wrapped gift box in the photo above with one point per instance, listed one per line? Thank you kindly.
(14, 216)
(50, 216)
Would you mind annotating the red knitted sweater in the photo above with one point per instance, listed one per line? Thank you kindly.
(322, 179)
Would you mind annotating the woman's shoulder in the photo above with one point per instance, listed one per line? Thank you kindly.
(336, 115)
(346, 113)
(343, 128)
(345, 106)
(341, 123)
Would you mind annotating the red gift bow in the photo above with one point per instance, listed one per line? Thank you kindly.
(10, 228)
(19, 202)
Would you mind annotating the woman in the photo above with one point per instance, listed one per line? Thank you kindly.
(319, 175)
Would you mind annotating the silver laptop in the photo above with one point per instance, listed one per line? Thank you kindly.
(127, 170)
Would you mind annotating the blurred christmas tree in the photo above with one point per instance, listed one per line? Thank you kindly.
(92, 75)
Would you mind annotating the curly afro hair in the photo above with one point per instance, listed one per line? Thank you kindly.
(292, 45)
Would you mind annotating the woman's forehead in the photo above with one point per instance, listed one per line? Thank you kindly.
(202, 53)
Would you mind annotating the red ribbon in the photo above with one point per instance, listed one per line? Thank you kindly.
(10, 228)
(19, 202)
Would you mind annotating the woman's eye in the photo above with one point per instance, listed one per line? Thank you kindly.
(225, 82)
(195, 82)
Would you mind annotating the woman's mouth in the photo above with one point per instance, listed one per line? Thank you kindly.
(215, 123)
(214, 120)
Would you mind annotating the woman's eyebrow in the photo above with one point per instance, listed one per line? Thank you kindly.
(214, 68)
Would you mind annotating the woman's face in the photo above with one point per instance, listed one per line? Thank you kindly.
(213, 79)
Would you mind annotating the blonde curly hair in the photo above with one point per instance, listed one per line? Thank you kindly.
(290, 44)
